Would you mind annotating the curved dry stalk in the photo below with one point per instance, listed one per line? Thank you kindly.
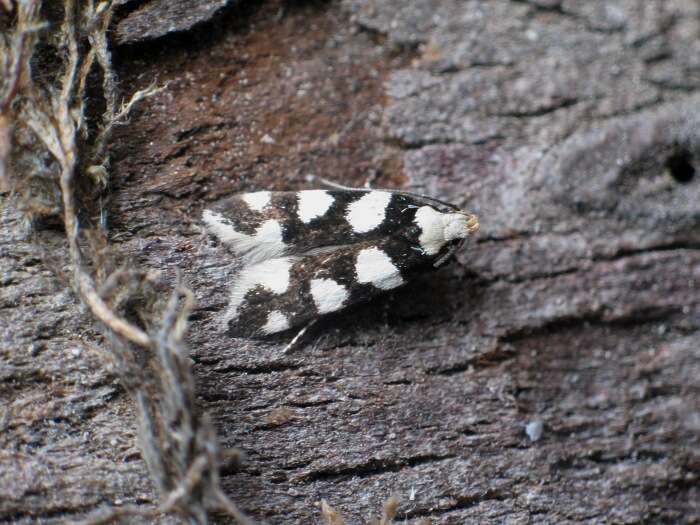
(65, 130)
(15, 50)
(118, 116)
(178, 442)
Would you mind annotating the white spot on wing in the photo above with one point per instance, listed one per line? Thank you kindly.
(432, 238)
(272, 275)
(368, 212)
(375, 267)
(269, 232)
(257, 200)
(218, 226)
(276, 322)
(265, 244)
(328, 295)
(438, 228)
(313, 204)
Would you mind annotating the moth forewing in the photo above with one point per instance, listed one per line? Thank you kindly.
(277, 294)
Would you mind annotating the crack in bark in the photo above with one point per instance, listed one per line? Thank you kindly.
(618, 256)
(265, 368)
(307, 404)
(478, 362)
(462, 503)
(372, 467)
(566, 103)
(409, 146)
(659, 248)
(588, 319)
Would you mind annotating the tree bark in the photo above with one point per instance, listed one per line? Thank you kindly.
(549, 376)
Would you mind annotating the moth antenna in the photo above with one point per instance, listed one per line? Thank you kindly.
(331, 184)
(335, 185)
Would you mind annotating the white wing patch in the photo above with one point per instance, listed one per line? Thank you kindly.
(257, 200)
(276, 322)
(272, 275)
(265, 244)
(328, 295)
(313, 204)
(432, 236)
(368, 212)
(375, 267)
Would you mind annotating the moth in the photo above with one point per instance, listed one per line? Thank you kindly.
(308, 253)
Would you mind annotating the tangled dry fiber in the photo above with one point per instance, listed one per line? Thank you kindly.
(59, 104)
(54, 161)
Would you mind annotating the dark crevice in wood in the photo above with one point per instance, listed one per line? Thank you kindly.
(307, 404)
(418, 144)
(482, 361)
(397, 382)
(680, 166)
(537, 8)
(214, 397)
(564, 324)
(530, 278)
(59, 514)
(372, 468)
(462, 503)
(265, 368)
(618, 256)
(672, 246)
(566, 103)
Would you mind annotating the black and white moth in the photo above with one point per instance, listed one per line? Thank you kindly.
(312, 252)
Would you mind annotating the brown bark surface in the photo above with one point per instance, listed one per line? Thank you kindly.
(571, 128)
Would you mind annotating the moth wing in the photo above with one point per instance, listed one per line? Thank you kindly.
(275, 295)
(265, 225)
(264, 243)
(314, 252)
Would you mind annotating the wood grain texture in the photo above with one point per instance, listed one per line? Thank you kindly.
(570, 129)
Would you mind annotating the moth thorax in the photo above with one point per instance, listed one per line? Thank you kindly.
(437, 229)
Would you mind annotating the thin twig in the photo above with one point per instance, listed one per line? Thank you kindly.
(100, 148)
(66, 133)
(20, 49)
(68, 30)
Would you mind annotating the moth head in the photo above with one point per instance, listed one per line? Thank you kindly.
(459, 225)
(441, 229)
